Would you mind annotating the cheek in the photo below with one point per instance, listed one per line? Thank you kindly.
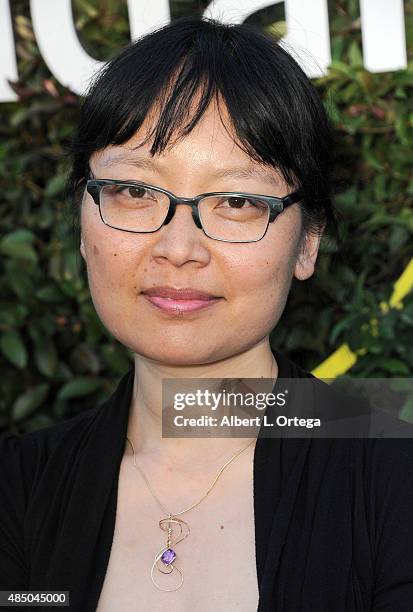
(111, 260)
(104, 268)
(261, 279)
(263, 274)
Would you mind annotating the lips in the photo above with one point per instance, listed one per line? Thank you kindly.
(186, 293)
(179, 301)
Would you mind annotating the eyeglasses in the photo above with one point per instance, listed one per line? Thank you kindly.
(133, 206)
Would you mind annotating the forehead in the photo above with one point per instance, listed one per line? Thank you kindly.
(212, 136)
(210, 147)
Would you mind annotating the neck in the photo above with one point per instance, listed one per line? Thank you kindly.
(145, 415)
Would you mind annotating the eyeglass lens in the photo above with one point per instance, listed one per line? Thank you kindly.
(141, 209)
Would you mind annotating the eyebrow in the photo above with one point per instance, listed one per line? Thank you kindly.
(240, 173)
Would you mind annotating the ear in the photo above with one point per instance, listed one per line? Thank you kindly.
(307, 256)
(82, 248)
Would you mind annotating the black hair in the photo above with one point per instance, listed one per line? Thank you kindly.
(276, 113)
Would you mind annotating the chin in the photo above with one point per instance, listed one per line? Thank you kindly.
(179, 353)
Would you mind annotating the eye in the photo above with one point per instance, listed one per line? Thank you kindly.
(242, 203)
(136, 192)
(237, 202)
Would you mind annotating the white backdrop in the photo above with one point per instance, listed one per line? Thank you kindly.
(308, 36)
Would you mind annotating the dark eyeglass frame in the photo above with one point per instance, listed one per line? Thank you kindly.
(276, 205)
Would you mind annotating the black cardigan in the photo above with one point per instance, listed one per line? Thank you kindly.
(333, 517)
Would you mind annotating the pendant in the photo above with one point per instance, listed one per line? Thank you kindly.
(164, 560)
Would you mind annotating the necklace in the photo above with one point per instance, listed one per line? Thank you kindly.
(166, 556)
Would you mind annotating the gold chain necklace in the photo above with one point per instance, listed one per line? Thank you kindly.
(167, 555)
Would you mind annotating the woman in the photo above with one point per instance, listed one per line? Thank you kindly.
(101, 505)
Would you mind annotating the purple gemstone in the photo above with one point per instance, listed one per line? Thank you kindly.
(168, 556)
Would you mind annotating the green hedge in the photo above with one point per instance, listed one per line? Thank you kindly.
(56, 357)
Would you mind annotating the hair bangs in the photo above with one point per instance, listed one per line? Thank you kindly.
(166, 81)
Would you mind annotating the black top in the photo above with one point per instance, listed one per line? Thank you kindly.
(333, 517)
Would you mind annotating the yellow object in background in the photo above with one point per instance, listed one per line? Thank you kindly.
(344, 358)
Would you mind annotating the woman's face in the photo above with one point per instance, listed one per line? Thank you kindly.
(252, 280)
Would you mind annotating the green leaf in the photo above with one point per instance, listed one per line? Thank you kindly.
(116, 358)
(13, 348)
(46, 357)
(13, 315)
(29, 401)
(50, 293)
(386, 328)
(396, 367)
(78, 387)
(399, 235)
(18, 244)
(21, 281)
(340, 327)
(56, 185)
(38, 421)
(341, 69)
(354, 54)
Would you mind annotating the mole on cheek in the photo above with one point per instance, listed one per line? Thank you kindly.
(95, 249)
(114, 254)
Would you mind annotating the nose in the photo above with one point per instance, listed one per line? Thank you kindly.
(178, 239)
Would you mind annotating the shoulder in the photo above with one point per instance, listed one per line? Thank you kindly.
(23, 456)
(386, 463)
(23, 460)
(27, 457)
(375, 446)
(47, 438)
(382, 501)
(374, 441)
